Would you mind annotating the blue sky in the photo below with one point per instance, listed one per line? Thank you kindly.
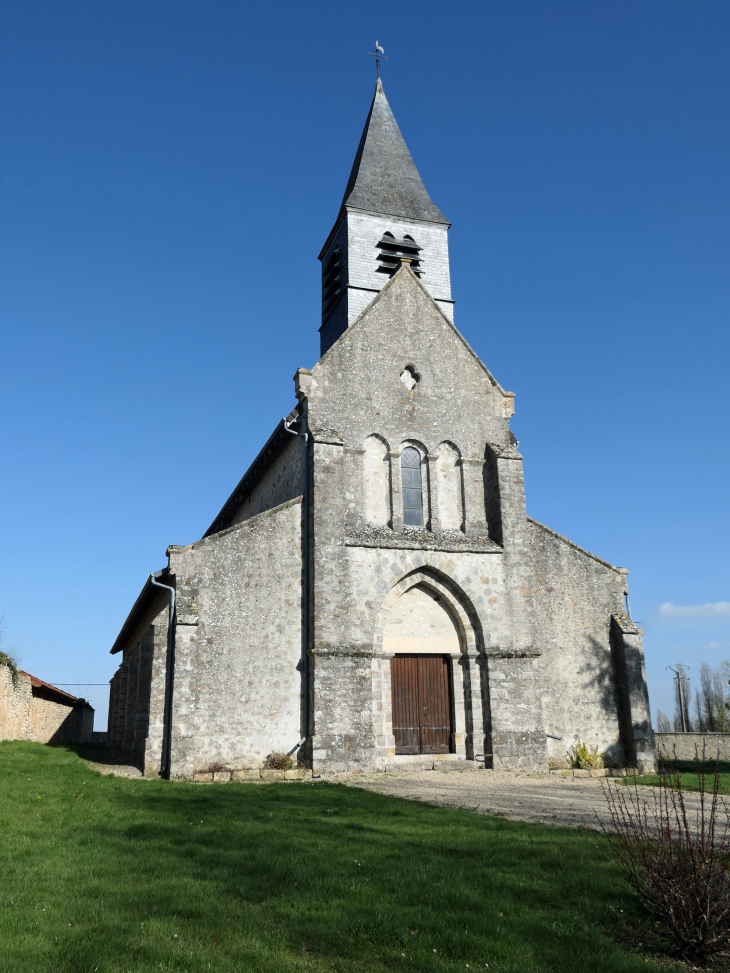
(168, 174)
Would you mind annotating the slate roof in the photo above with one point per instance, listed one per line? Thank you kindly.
(384, 178)
(142, 605)
(269, 452)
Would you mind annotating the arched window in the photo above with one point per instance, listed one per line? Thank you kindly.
(410, 467)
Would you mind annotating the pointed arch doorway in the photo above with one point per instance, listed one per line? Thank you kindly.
(423, 637)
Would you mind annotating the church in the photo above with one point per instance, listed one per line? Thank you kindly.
(373, 596)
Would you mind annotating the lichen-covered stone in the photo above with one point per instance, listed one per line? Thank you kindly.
(252, 773)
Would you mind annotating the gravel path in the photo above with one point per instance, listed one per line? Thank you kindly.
(539, 798)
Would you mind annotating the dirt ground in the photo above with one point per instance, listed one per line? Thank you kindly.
(539, 798)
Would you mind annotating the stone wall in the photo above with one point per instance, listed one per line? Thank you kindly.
(29, 712)
(15, 706)
(283, 480)
(594, 680)
(575, 595)
(137, 690)
(684, 744)
(239, 690)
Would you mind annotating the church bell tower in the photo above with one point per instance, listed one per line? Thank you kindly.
(386, 216)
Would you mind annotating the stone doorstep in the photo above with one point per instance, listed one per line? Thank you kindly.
(601, 772)
(224, 776)
(458, 767)
(446, 764)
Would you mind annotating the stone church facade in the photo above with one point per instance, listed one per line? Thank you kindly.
(373, 594)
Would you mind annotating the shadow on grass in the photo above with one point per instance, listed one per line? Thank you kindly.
(149, 875)
(668, 766)
(351, 871)
(100, 753)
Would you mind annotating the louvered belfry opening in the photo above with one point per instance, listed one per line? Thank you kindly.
(421, 693)
(331, 282)
(391, 250)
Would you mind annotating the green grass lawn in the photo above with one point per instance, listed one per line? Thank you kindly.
(109, 875)
(688, 776)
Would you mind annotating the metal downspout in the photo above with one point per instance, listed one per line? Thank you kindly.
(305, 578)
(169, 675)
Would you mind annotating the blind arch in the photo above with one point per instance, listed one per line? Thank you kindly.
(377, 482)
(450, 500)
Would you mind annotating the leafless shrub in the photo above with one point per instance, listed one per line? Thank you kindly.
(217, 768)
(279, 761)
(677, 861)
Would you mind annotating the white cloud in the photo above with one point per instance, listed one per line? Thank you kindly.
(668, 610)
(714, 645)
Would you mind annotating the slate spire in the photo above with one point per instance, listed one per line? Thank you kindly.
(386, 218)
(384, 178)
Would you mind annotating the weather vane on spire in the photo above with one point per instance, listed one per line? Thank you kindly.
(378, 55)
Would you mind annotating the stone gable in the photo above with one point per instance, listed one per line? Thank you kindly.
(355, 388)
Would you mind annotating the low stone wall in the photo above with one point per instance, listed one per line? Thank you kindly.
(224, 776)
(40, 713)
(684, 745)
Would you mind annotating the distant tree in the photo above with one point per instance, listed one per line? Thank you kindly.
(712, 699)
(662, 722)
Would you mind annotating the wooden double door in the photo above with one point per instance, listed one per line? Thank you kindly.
(421, 694)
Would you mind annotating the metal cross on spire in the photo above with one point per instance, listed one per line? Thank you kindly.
(378, 55)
